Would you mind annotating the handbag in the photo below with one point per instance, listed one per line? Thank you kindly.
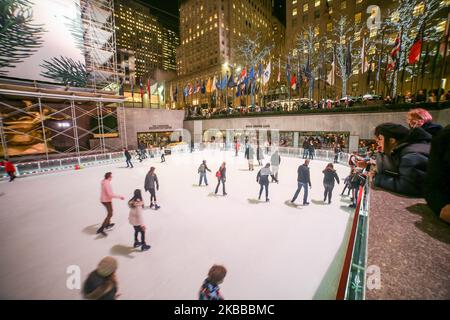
(218, 174)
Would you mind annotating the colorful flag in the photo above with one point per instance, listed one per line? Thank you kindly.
(224, 82)
(394, 53)
(191, 89)
(243, 75)
(231, 83)
(203, 90)
(148, 86)
(416, 48)
(186, 91)
(293, 81)
(288, 70)
(214, 84)
(141, 87)
(252, 73)
(331, 76)
(209, 85)
(260, 70)
(266, 75)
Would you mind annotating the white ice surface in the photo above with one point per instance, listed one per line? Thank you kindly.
(271, 250)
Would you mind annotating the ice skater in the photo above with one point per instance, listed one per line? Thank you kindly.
(303, 180)
(250, 156)
(9, 169)
(210, 289)
(259, 155)
(330, 176)
(347, 185)
(263, 179)
(151, 180)
(106, 199)
(101, 284)
(221, 177)
(202, 171)
(136, 219)
(275, 161)
(127, 157)
(237, 146)
(163, 154)
(311, 150)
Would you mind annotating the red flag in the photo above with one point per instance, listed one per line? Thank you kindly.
(293, 82)
(416, 49)
(148, 88)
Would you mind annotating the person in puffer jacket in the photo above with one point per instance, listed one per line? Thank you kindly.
(263, 179)
(402, 162)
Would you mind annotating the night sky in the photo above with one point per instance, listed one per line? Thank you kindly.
(169, 8)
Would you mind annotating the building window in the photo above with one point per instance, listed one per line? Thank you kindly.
(419, 9)
(358, 18)
(294, 2)
(316, 30)
(343, 4)
(359, 1)
(316, 3)
(329, 27)
(305, 7)
(294, 12)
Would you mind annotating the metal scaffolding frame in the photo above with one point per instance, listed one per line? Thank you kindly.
(95, 106)
(100, 42)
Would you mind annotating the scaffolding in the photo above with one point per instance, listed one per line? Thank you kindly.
(77, 119)
(99, 38)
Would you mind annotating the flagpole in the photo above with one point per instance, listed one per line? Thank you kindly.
(422, 71)
(380, 61)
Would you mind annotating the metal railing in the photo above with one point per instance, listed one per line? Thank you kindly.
(72, 163)
(352, 284)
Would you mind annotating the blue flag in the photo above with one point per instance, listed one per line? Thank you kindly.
(231, 83)
(288, 71)
(260, 70)
(224, 82)
(252, 73)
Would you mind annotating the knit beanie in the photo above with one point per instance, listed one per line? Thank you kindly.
(107, 266)
(392, 130)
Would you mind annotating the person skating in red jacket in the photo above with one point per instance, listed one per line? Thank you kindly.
(9, 168)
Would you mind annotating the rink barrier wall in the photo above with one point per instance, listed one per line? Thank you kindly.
(352, 280)
(31, 168)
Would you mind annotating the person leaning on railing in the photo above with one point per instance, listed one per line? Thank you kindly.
(401, 164)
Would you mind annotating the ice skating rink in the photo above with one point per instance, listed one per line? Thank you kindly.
(271, 250)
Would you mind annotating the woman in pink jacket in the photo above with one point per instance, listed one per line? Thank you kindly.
(106, 199)
(137, 220)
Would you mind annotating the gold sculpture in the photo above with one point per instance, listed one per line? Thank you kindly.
(24, 133)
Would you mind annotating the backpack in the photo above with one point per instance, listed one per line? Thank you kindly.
(218, 174)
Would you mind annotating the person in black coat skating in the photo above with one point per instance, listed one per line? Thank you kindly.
(127, 157)
(329, 177)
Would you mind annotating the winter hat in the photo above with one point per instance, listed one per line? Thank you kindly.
(392, 130)
(107, 266)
